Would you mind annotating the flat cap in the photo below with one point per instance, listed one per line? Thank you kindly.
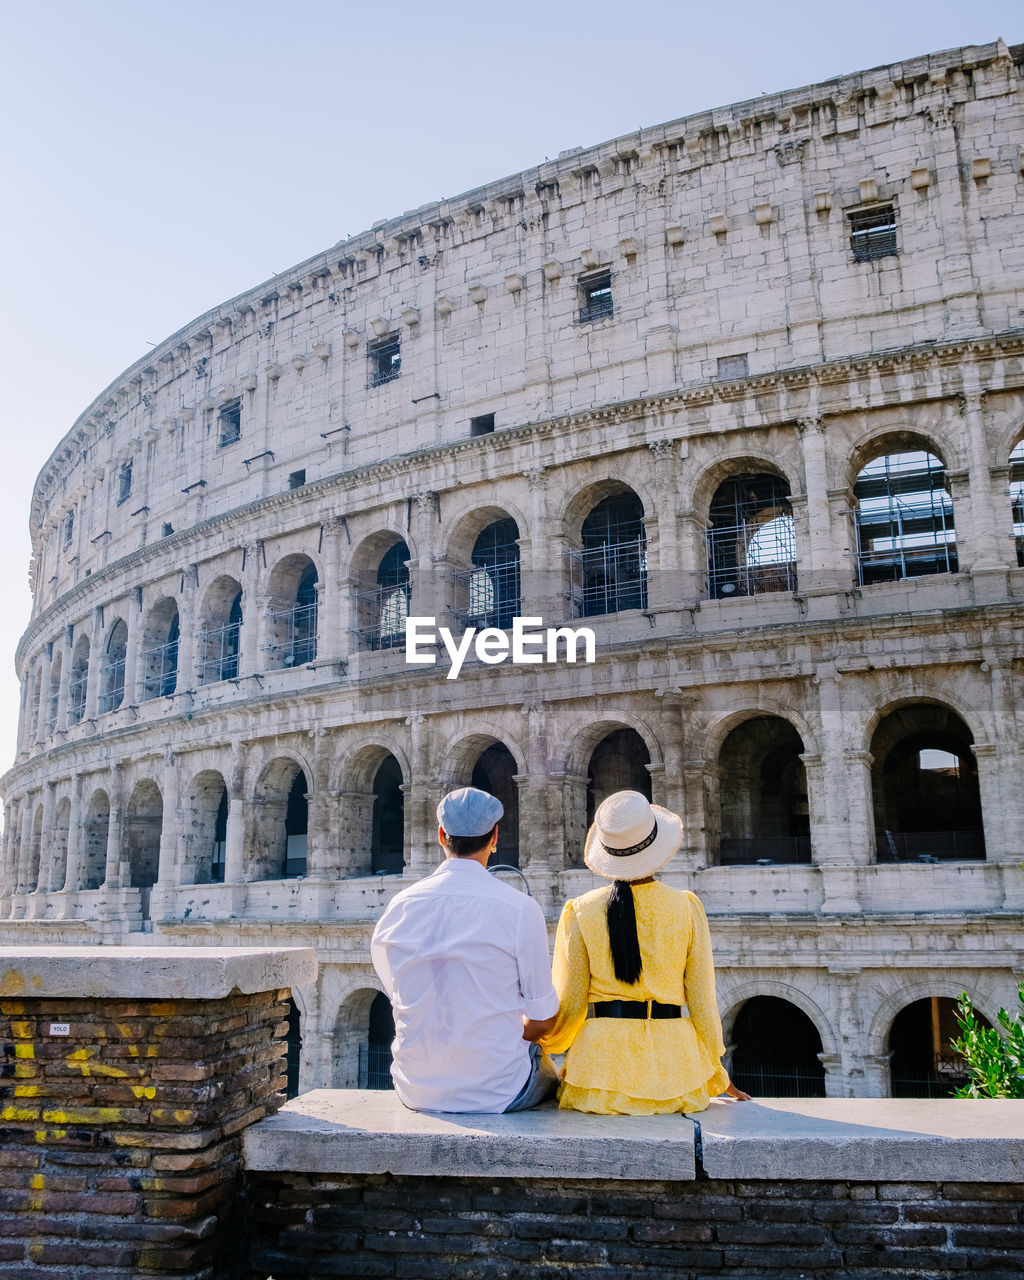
(469, 812)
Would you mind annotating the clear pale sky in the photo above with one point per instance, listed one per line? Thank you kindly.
(159, 159)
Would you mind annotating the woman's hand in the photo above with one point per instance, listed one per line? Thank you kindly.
(737, 1094)
(534, 1028)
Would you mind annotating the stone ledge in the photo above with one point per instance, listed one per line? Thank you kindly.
(153, 973)
(330, 1131)
(366, 1131)
(865, 1139)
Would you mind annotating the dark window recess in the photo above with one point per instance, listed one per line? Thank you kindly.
(481, 426)
(385, 360)
(168, 529)
(873, 233)
(124, 482)
(732, 367)
(69, 530)
(229, 422)
(296, 479)
(596, 297)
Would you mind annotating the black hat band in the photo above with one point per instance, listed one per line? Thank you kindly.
(633, 848)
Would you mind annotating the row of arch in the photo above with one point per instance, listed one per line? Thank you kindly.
(775, 1048)
(904, 522)
(925, 795)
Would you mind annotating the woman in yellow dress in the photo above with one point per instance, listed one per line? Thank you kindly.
(637, 957)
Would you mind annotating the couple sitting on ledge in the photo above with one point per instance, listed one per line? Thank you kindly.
(464, 960)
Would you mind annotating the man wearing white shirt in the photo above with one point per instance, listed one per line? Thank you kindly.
(464, 960)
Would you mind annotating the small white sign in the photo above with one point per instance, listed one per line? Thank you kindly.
(60, 1028)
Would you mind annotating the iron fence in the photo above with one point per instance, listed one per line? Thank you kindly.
(931, 846)
(489, 596)
(774, 1080)
(219, 647)
(608, 578)
(375, 1066)
(382, 614)
(764, 849)
(160, 662)
(295, 629)
(113, 685)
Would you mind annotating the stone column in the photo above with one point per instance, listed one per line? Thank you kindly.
(112, 875)
(322, 840)
(234, 840)
(253, 610)
(426, 571)
(420, 822)
(988, 544)
(188, 628)
(8, 856)
(693, 554)
(72, 880)
(46, 870)
(572, 789)
(540, 842)
(665, 586)
(170, 828)
(355, 827)
(821, 563)
(544, 568)
(66, 642)
(95, 675)
(45, 664)
(133, 618)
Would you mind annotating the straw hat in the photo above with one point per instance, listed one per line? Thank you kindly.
(631, 838)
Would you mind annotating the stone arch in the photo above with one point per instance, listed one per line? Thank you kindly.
(293, 591)
(458, 536)
(943, 984)
(876, 444)
(372, 819)
(59, 844)
(737, 995)
(580, 743)
(758, 810)
(491, 761)
(280, 821)
(220, 629)
(382, 586)
(903, 510)
(749, 542)
(78, 686)
(580, 503)
(143, 825)
(776, 1049)
(94, 840)
(722, 469)
(487, 581)
(351, 1034)
(112, 667)
(607, 523)
(204, 828)
(159, 654)
(926, 797)
(922, 1060)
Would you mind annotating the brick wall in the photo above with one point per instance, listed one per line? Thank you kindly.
(120, 1141)
(314, 1226)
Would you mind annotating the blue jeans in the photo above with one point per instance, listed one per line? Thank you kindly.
(540, 1084)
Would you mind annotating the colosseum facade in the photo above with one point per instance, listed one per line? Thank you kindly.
(743, 394)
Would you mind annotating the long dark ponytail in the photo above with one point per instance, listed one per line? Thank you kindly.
(625, 945)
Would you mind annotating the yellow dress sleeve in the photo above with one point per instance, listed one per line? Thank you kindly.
(570, 972)
(699, 984)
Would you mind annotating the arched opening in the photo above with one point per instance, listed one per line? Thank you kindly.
(924, 1063)
(293, 1050)
(94, 841)
(293, 612)
(204, 829)
(776, 1048)
(112, 671)
(387, 846)
(609, 574)
(488, 595)
(1017, 497)
(143, 823)
(281, 823)
(78, 686)
(924, 781)
(159, 656)
(904, 516)
(495, 772)
(53, 695)
(375, 1052)
(750, 547)
(220, 634)
(383, 607)
(59, 845)
(618, 763)
(762, 795)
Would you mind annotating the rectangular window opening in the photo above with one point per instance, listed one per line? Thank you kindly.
(732, 367)
(229, 422)
(481, 426)
(168, 529)
(297, 479)
(68, 531)
(596, 297)
(124, 483)
(873, 233)
(385, 359)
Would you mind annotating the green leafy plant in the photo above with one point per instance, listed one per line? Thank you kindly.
(995, 1062)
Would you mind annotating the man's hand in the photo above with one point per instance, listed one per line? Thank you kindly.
(534, 1028)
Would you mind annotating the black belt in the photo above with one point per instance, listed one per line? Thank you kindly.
(636, 1009)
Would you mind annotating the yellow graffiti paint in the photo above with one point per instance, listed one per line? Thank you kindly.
(163, 1010)
(79, 1059)
(38, 1182)
(12, 983)
(143, 1091)
(11, 1006)
(24, 1050)
(25, 1070)
(51, 1135)
(19, 1113)
(27, 1091)
(84, 1115)
(21, 1030)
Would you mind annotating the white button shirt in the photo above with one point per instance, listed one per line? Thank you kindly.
(462, 957)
